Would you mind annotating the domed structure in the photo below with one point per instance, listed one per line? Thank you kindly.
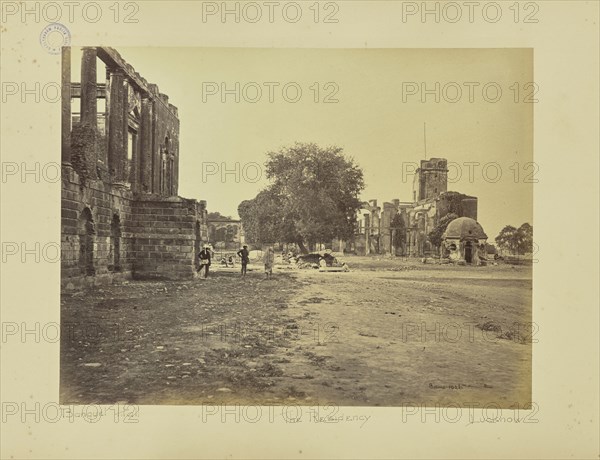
(464, 241)
(465, 228)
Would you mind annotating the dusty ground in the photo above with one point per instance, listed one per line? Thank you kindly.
(390, 332)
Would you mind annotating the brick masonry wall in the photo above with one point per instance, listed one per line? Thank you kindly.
(104, 202)
(158, 236)
(165, 237)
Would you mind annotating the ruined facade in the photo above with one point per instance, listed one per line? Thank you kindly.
(225, 233)
(121, 214)
(431, 201)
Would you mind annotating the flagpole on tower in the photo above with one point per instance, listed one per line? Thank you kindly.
(425, 138)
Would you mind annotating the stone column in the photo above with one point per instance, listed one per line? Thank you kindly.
(176, 164)
(125, 176)
(146, 145)
(84, 135)
(136, 163)
(156, 153)
(66, 105)
(115, 133)
(89, 110)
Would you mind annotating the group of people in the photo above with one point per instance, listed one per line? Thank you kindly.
(205, 256)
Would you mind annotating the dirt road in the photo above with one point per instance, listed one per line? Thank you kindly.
(384, 334)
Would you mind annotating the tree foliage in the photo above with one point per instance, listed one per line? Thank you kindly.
(435, 235)
(454, 203)
(313, 197)
(398, 228)
(261, 217)
(217, 216)
(516, 240)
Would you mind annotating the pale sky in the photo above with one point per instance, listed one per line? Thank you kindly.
(376, 120)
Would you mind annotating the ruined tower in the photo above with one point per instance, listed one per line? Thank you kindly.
(431, 178)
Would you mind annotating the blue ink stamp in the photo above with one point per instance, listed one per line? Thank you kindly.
(54, 36)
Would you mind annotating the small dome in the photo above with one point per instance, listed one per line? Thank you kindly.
(465, 228)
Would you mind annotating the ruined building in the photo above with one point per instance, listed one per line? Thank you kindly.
(225, 233)
(121, 214)
(431, 201)
(465, 241)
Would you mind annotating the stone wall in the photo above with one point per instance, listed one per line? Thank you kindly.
(126, 235)
(458, 203)
(166, 142)
(98, 213)
(165, 240)
(121, 216)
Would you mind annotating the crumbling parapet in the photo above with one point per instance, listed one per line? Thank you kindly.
(141, 148)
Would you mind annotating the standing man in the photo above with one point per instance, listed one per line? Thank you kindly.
(245, 256)
(269, 261)
(204, 257)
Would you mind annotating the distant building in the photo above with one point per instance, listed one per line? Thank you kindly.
(225, 233)
(431, 201)
(464, 240)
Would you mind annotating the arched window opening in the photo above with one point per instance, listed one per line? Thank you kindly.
(115, 244)
(86, 230)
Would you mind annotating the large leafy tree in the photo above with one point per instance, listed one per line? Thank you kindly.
(507, 239)
(516, 240)
(313, 197)
(525, 238)
(261, 217)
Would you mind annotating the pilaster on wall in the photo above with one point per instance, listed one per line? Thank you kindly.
(123, 176)
(66, 105)
(146, 146)
(116, 135)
